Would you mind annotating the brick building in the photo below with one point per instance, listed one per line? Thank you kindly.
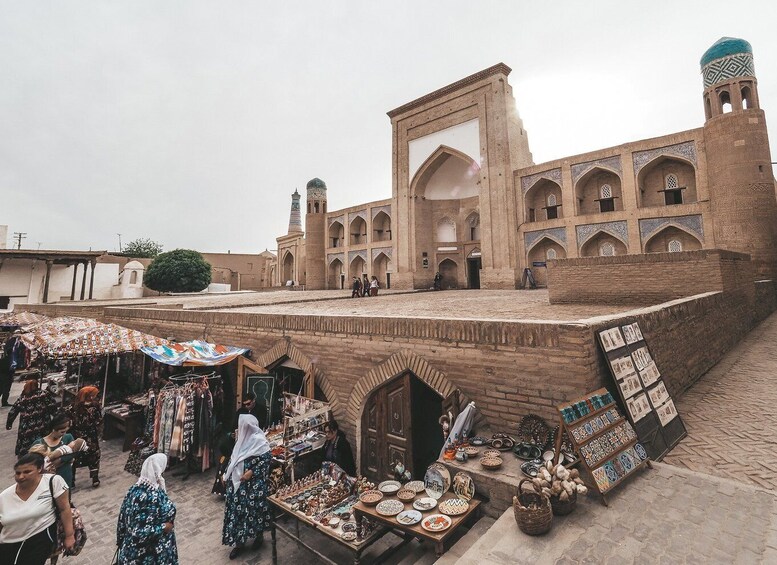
(468, 200)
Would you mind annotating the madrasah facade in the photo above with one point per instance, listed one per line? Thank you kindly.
(469, 202)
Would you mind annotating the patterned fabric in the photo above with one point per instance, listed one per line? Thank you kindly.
(88, 424)
(193, 353)
(34, 411)
(247, 512)
(139, 533)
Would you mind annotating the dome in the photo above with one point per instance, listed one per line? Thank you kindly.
(135, 265)
(724, 47)
(316, 183)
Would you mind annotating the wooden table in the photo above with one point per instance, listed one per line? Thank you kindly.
(357, 547)
(127, 424)
(416, 531)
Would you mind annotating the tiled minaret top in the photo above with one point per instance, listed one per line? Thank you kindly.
(295, 219)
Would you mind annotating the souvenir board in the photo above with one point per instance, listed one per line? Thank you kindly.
(605, 440)
(644, 396)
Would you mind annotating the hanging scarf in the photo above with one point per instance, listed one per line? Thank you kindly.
(251, 442)
(151, 472)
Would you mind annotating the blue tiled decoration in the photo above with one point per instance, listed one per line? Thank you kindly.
(618, 230)
(557, 234)
(385, 250)
(332, 256)
(360, 214)
(354, 254)
(733, 66)
(378, 209)
(340, 219)
(650, 226)
(686, 150)
(528, 182)
(611, 163)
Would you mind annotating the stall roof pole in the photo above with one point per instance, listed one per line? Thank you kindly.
(105, 382)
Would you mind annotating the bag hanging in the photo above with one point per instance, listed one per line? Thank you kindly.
(79, 531)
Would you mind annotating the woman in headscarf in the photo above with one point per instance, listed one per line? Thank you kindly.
(88, 424)
(145, 533)
(34, 408)
(247, 512)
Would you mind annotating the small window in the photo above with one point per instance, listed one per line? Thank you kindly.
(551, 253)
(551, 200)
(605, 191)
(552, 212)
(675, 246)
(672, 197)
(532, 217)
(607, 205)
(671, 182)
(607, 249)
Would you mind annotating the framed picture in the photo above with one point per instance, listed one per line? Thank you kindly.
(666, 412)
(641, 357)
(638, 406)
(612, 339)
(622, 367)
(263, 386)
(630, 386)
(649, 374)
(658, 394)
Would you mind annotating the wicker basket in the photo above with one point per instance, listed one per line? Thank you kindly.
(532, 521)
(563, 507)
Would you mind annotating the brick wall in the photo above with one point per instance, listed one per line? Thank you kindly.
(647, 278)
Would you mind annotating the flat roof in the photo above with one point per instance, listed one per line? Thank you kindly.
(54, 255)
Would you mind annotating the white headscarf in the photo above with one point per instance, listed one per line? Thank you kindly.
(151, 473)
(251, 442)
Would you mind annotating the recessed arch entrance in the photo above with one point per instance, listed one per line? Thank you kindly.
(336, 278)
(672, 239)
(287, 268)
(358, 267)
(450, 274)
(381, 269)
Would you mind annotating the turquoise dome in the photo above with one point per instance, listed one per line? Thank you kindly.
(724, 47)
(316, 183)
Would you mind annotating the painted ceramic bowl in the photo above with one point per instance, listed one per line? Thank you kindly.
(406, 494)
(371, 497)
(491, 462)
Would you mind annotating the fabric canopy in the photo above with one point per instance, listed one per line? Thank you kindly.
(193, 353)
(20, 319)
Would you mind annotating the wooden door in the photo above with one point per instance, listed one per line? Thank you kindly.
(386, 430)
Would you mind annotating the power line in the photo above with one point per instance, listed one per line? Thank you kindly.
(19, 236)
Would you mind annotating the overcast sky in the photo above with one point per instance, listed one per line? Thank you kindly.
(192, 122)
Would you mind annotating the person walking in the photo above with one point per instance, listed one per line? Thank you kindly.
(57, 437)
(144, 532)
(88, 424)
(365, 286)
(247, 512)
(374, 286)
(356, 287)
(34, 408)
(7, 370)
(28, 515)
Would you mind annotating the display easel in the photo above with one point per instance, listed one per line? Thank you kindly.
(609, 450)
(300, 416)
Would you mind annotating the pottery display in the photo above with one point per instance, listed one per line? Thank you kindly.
(471, 451)
(417, 486)
(463, 486)
(348, 536)
(436, 523)
(389, 487)
(424, 504)
(492, 453)
(409, 517)
(390, 507)
(477, 440)
(453, 506)
(371, 497)
(406, 494)
(437, 480)
(491, 462)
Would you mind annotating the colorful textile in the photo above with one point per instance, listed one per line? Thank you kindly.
(193, 353)
(100, 340)
(247, 512)
(140, 530)
(88, 424)
(20, 319)
(34, 411)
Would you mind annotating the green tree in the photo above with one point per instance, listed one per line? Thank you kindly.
(142, 247)
(181, 270)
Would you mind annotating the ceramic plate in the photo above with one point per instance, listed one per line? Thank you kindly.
(409, 517)
(417, 486)
(349, 527)
(436, 523)
(389, 487)
(425, 503)
(389, 507)
(453, 506)
(477, 440)
(348, 536)
(437, 480)
(463, 486)
(492, 453)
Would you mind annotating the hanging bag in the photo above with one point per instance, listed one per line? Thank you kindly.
(79, 531)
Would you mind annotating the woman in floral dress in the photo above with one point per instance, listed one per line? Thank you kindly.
(247, 512)
(144, 533)
(88, 424)
(34, 408)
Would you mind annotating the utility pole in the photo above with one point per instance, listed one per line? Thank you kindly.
(119, 242)
(19, 236)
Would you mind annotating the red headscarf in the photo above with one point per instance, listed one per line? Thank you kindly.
(87, 394)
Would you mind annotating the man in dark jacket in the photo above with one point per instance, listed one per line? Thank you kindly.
(337, 449)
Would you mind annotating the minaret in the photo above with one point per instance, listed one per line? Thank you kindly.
(295, 218)
(315, 228)
(740, 179)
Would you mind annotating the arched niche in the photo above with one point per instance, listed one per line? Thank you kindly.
(591, 190)
(358, 267)
(381, 227)
(381, 266)
(450, 274)
(446, 230)
(595, 245)
(335, 278)
(543, 250)
(447, 174)
(472, 225)
(358, 231)
(287, 270)
(538, 198)
(667, 240)
(656, 182)
(336, 235)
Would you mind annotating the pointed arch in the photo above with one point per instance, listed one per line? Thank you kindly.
(549, 238)
(470, 172)
(381, 227)
(588, 190)
(336, 234)
(592, 245)
(652, 180)
(536, 205)
(654, 243)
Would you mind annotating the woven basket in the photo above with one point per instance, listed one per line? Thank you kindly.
(563, 507)
(532, 521)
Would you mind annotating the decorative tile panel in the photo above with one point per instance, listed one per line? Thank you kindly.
(385, 250)
(379, 209)
(332, 256)
(650, 226)
(685, 150)
(733, 66)
(528, 182)
(618, 230)
(354, 254)
(340, 219)
(360, 214)
(557, 234)
(611, 163)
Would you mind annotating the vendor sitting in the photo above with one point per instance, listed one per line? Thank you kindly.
(337, 449)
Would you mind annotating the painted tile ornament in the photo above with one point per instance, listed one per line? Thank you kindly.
(600, 477)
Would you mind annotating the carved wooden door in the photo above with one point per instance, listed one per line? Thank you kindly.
(386, 432)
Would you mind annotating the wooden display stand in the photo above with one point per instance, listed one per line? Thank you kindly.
(301, 415)
(606, 442)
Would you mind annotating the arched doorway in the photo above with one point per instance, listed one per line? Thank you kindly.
(288, 268)
(450, 274)
(400, 423)
(381, 268)
(358, 267)
(336, 275)
(474, 264)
